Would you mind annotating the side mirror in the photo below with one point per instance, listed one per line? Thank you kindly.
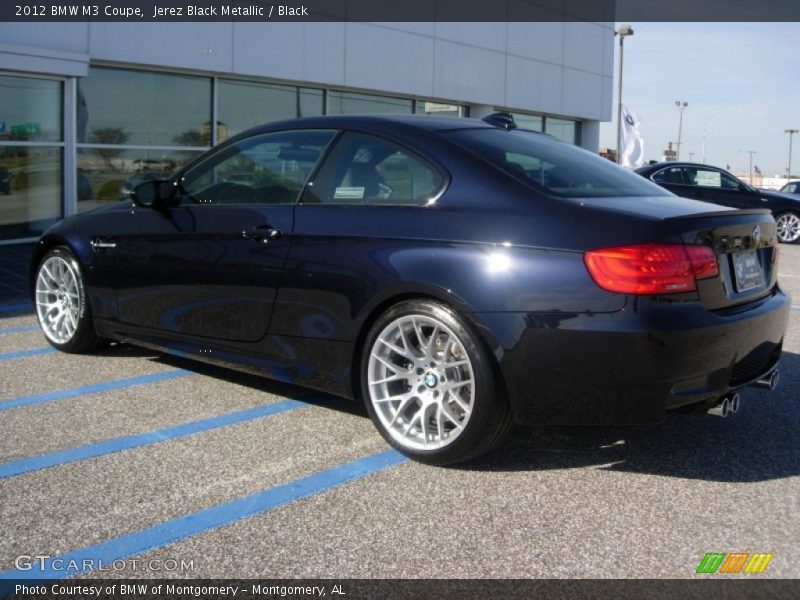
(743, 187)
(150, 194)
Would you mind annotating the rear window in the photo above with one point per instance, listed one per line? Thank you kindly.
(558, 168)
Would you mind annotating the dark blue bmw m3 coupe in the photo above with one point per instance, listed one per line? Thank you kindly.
(455, 275)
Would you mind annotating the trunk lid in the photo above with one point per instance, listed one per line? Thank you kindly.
(745, 243)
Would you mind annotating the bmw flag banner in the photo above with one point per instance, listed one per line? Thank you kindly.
(632, 154)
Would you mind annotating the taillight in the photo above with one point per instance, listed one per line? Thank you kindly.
(651, 268)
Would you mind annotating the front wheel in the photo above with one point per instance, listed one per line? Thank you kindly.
(62, 306)
(429, 386)
(788, 227)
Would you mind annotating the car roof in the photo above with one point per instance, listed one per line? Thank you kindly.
(674, 163)
(424, 122)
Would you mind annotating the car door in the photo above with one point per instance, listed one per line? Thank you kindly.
(712, 185)
(363, 211)
(210, 264)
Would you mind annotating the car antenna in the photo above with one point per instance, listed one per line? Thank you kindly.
(501, 119)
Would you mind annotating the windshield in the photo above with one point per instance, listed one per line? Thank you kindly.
(553, 166)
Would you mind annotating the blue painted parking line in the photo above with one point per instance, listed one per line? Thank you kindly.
(36, 463)
(174, 530)
(92, 389)
(26, 353)
(20, 329)
(16, 308)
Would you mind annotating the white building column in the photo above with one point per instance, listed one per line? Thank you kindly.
(590, 135)
(478, 111)
(70, 160)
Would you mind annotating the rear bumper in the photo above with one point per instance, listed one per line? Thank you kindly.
(633, 365)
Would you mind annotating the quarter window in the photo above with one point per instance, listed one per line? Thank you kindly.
(363, 169)
(264, 169)
(669, 175)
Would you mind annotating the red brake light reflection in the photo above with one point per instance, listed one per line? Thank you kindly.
(651, 268)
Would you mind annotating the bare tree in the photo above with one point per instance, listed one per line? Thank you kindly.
(109, 135)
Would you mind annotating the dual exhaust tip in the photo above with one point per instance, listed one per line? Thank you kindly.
(730, 404)
(770, 382)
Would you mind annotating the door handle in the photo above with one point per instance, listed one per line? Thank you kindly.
(262, 233)
(99, 244)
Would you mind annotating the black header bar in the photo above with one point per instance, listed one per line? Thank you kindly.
(144, 11)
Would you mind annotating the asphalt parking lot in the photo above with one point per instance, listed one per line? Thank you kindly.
(127, 454)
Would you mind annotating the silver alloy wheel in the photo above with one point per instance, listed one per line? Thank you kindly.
(421, 382)
(58, 301)
(788, 226)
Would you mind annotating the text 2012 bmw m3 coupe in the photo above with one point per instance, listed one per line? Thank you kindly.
(455, 275)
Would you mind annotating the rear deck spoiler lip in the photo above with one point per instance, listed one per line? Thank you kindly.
(722, 213)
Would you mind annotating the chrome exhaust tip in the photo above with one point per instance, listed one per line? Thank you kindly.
(733, 403)
(720, 410)
(770, 382)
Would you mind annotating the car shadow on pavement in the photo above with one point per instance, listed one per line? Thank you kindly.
(760, 443)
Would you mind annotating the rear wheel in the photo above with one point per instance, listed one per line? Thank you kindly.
(788, 227)
(429, 386)
(62, 306)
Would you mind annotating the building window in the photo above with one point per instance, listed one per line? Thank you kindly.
(437, 109)
(118, 106)
(564, 130)
(31, 155)
(530, 122)
(137, 125)
(245, 104)
(346, 103)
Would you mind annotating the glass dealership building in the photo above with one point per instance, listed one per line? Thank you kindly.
(88, 110)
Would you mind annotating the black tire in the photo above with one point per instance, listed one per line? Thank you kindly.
(490, 419)
(790, 229)
(84, 338)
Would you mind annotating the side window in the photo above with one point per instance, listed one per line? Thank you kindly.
(711, 179)
(729, 182)
(271, 168)
(669, 175)
(363, 169)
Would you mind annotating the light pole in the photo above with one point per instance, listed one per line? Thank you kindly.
(751, 152)
(681, 107)
(791, 132)
(622, 32)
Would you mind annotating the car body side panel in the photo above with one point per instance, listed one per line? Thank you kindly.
(77, 233)
(344, 262)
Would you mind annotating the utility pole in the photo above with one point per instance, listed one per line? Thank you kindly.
(791, 132)
(703, 151)
(622, 32)
(681, 107)
(751, 152)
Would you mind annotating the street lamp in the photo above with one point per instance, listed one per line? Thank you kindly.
(681, 107)
(622, 32)
(791, 132)
(751, 152)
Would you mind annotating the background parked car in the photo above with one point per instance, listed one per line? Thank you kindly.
(793, 187)
(712, 184)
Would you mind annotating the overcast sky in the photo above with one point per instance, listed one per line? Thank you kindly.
(741, 80)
